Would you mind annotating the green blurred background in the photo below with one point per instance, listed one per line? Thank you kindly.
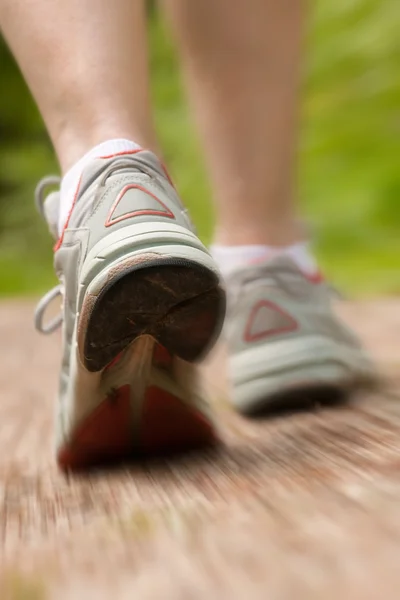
(349, 150)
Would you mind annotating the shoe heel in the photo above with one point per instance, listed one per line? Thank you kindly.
(178, 302)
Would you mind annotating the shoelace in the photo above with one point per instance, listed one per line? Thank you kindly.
(41, 308)
(47, 328)
(40, 191)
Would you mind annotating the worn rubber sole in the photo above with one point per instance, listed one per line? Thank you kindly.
(177, 302)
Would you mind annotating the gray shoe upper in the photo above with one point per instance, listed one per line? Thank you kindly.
(113, 191)
(112, 194)
(126, 214)
(275, 300)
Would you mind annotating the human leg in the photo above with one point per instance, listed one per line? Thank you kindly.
(242, 63)
(85, 62)
(134, 277)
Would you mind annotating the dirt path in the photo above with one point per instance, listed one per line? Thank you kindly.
(304, 506)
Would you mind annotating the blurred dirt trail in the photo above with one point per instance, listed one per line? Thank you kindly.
(298, 507)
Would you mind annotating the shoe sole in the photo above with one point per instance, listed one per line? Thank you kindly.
(138, 335)
(129, 423)
(297, 373)
(177, 302)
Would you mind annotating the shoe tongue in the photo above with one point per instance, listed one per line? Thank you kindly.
(51, 209)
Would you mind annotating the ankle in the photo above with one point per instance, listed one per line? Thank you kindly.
(71, 145)
(278, 235)
(230, 258)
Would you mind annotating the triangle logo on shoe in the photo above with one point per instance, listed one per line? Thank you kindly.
(136, 201)
(267, 319)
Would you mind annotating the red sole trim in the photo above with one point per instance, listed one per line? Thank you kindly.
(162, 358)
(105, 434)
(167, 425)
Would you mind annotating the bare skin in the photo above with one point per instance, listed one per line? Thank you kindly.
(241, 61)
(86, 64)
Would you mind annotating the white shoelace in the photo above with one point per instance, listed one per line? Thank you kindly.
(47, 328)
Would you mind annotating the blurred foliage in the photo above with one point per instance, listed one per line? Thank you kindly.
(349, 150)
(25, 155)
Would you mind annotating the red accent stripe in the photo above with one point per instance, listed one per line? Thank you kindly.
(104, 435)
(123, 153)
(161, 357)
(127, 152)
(137, 213)
(167, 175)
(250, 337)
(60, 239)
(169, 424)
(316, 277)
